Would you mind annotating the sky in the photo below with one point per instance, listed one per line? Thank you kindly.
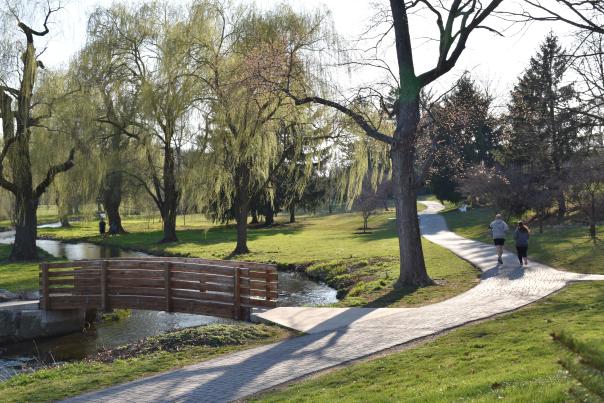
(492, 60)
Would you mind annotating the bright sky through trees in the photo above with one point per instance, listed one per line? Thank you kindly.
(490, 58)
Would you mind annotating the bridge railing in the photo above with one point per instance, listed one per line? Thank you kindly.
(199, 286)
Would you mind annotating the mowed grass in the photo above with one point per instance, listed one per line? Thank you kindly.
(566, 247)
(22, 276)
(511, 358)
(75, 378)
(46, 214)
(331, 248)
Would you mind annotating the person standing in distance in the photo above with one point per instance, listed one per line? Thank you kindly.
(102, 226)
(498, 230)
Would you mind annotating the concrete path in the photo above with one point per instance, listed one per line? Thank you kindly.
(336, 336)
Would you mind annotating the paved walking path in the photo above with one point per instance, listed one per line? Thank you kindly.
(337, 336)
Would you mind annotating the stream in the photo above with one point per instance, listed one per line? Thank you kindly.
(295, 289)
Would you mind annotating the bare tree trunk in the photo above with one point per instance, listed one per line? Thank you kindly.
(241, 219)
(112, 192)
(592, 219)
(112, 200)
(269, 215)
(242, 207)
(412, 266)
(24, 247)
(169, 225)
(561, 205)
(292, 213)
(254, 217)
(170, 202)
(26, 205)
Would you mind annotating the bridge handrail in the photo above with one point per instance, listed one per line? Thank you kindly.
(203, 286)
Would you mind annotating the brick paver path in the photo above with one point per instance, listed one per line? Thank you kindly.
(348, 336)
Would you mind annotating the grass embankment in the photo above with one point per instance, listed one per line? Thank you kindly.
(150, 356)
(22, 276)
(511, 358)
(331, 248)
(566, 247)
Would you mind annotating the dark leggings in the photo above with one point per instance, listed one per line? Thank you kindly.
(522, 252)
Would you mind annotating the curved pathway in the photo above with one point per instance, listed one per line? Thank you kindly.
(338, 335)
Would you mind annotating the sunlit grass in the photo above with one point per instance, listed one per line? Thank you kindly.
(511, 358)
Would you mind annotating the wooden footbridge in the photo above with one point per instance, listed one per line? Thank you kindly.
(199, 286)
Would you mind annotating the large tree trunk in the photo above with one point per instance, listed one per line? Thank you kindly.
(242, 207)
(112, 199)
(412, 266)
(112, 192)
(170, 202)
(26, 205)
(241, 219)
(269, 215)
(169, 225)
(254, 217)
(24, 247)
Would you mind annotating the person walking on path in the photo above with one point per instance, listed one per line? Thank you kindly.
(521, 236)
(498, 230)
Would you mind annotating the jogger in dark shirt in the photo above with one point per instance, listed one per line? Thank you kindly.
(521, 236)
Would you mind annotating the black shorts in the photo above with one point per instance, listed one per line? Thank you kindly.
(522, 251)
(499, 241)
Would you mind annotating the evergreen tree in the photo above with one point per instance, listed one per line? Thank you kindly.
(467, 130)
(543, 131)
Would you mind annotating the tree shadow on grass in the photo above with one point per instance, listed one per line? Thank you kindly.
(393, 296)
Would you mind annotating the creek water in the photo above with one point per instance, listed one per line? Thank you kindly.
(295, 289)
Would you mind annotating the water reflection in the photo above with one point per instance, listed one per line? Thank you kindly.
(106, 334)
(295, 289)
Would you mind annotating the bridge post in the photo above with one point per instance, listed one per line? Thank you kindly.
(104, 294)
(45, 305)
(237, 293)
(168, 287)
(267, 284)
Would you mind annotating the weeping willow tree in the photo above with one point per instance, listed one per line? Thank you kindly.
(241, 61)
(106, 83)
(150, 45)
(25, 115)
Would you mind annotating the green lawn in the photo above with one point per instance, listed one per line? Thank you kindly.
(566, 246)
(46, 214)
(75, 378)
(18, 276)
(362, 267)
(511, 358)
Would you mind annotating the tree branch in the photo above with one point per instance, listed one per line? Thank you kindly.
(54, 171)
(358, 119)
